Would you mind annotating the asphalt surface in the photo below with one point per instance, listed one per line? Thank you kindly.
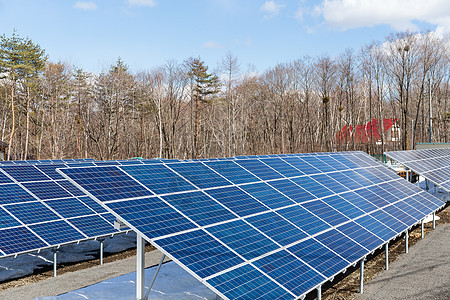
(75, 280)
(423, 273)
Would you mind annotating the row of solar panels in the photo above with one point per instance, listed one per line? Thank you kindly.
(40, 209)
(432, 164)
(266, 227)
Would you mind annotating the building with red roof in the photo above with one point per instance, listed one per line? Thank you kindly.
(362, 134)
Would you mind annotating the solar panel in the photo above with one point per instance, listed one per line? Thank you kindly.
(432, 164)
(239, 226)
(39, 208)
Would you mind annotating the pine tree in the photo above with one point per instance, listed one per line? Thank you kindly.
(21, 59)
(205, 84)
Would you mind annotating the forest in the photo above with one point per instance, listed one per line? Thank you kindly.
(186, 109)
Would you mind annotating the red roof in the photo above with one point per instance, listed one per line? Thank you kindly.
(362, 133)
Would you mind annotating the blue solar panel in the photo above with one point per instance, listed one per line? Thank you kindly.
(302, 165)
(31, 212)
(293, 221)
(25, 173)
(57, 232)
(432, 164)
(200, 208)
(199, 175)
(4, 178)
(279, 229)
(303, 219)
(267, 195)
(69, 207)
(70, 188)
(343, 206)
(290, 272)
(156, 217)
(361, 235)
(322, 258)
(7, 220)
(232, 171)
(160, 179)
(292, 190)
(92, 225)
(312, 186)
(200, 252)
(330, 183)
(112, 185)
(237, 201)
(246, 282)
(342, 245)
(13, 193)
(243, 239)
(259, 169)
(325, 212)
(283, 167)
(18, 239)
(46, 190)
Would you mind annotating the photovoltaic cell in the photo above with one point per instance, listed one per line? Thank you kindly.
(113, 183)
(293, 221)
(32, 212)
(267, 195)
(13, 193)
(237, 200)
(46, 190)
(290, 272)
(200, 208)
(199, 175)
(25, 173)
(200, 252)
(57, 232)
(18, 239)
(243, 238)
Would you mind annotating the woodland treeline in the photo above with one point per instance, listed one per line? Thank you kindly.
(184, 110)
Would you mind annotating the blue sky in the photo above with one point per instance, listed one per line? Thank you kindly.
(92, 34)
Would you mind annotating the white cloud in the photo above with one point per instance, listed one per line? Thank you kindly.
(399, 14)
(271, 8)
(84, 5)
(212, 45)
(148, 3)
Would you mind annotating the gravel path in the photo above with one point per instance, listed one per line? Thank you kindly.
(75, 280)
(423, 273)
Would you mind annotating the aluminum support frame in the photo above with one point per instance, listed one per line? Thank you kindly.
(140, 268)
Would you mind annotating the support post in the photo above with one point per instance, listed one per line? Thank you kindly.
(421, 229)
(101, 250)
(406, 241)
(407, 175)
(156, 274)
(140, 268)
(55, 256)
(426, 184)
(386, 256)
(434, 219)
(319, 292)
(361, 276)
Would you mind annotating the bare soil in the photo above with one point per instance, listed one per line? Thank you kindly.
(346, 286)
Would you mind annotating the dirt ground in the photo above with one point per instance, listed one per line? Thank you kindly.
(347, 285)
(344, 286)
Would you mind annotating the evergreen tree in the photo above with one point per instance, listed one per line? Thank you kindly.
(20, 58)
(205, 84)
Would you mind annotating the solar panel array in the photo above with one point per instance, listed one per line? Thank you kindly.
(270, 227)
(40, 209)
(432, 164)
